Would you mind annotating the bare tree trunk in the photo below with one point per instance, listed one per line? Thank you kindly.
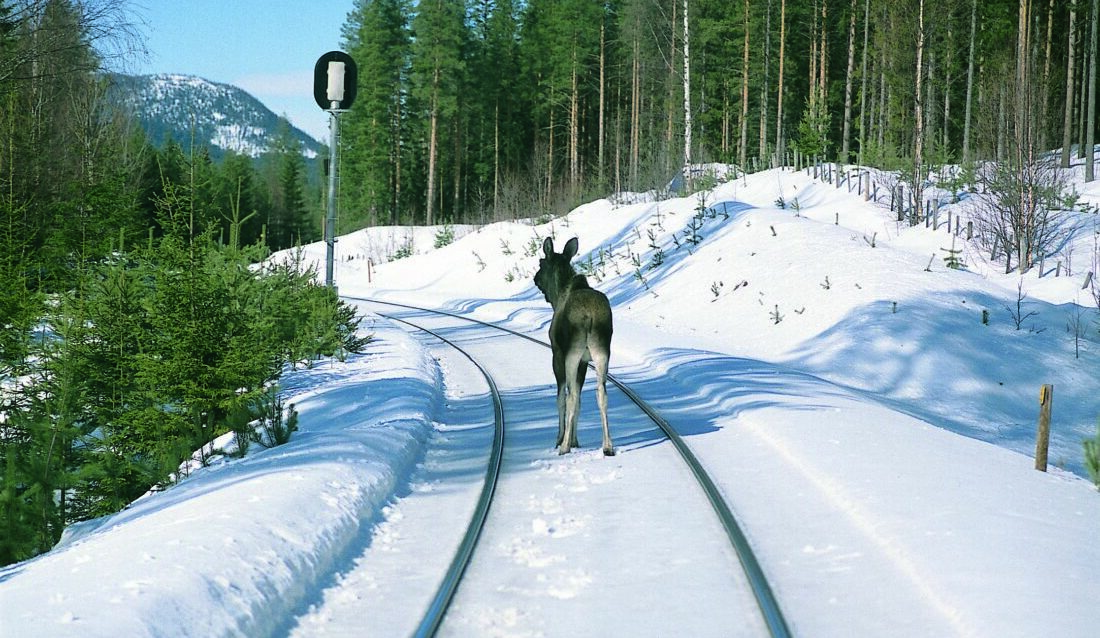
(764, 85)
(779, 144)
(848, 85)
(496, 161)
(863, 115)
(1023, 142)
(822, 67)
(687, 89)
(743, 147)
(550, 158)
(1090, 128)
(433, 142)
(970, 81)
(918, 116)
(456, 198)
(395, 214)
(635, 112)
(1000, 155)
(882, 93)
(600, 131)
(670, 108)
(930, 97)
(1067, 121)
(727, 119)
(947, 82)
(1083, 96)
(574, 124)
(1044, 105)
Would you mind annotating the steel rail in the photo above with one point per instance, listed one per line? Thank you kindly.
(437, 609)
(758, 582)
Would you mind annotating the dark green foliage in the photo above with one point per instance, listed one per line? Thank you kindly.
(148, 358)
(135, 315)
(374, 134)
(288, 220)
(271, 428)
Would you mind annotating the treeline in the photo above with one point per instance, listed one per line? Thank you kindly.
(471, 110)
(138, 320)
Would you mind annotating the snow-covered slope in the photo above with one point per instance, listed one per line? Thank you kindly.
(872, 432)
(222, 116)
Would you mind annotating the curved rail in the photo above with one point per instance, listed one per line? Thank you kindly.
(433, 617)
(758, 582)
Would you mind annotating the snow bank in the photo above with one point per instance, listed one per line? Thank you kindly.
(237, 546)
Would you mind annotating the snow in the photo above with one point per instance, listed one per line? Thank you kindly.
(873, 437)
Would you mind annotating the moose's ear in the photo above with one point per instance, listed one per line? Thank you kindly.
(548, 246)
(570, 249)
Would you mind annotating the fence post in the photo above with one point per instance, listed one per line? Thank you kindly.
(1042, 440)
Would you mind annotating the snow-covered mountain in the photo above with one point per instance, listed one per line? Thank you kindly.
(223, 116)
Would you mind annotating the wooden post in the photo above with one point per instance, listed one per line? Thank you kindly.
(1042, 440)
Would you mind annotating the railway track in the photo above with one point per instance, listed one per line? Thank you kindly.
(772, 619)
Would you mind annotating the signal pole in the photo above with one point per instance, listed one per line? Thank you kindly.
(334, 87)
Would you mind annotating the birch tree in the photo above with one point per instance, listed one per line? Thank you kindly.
(687, 89)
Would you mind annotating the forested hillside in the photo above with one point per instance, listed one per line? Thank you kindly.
(478, 109)
(221, 116)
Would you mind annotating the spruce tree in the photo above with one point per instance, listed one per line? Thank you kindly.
(438, 68)
(375, 165)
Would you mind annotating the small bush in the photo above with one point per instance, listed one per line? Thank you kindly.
(1092, 456)
(444, 236)
(271, 428)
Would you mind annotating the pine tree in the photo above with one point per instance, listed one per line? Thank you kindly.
(239, 195)
(288, 221)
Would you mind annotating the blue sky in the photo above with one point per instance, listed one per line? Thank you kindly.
(266, 47)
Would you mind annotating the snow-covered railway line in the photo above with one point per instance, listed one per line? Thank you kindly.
(433, 617)
(524, 576)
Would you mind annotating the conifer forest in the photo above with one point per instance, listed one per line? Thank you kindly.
(137, 322)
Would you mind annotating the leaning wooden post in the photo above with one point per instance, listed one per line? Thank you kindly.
(1042, 441)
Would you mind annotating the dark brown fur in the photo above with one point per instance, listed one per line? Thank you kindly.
(580, 331)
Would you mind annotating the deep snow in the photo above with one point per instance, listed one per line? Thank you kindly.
(871, 433)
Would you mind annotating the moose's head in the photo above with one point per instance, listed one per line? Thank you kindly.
(555, 272)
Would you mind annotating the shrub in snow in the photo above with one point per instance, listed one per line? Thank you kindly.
(1092, 456)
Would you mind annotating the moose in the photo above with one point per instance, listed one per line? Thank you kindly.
(580, 331)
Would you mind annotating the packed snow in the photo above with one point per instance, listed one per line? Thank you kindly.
(872, 434)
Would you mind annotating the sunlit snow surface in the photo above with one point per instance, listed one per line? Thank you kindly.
(873, 436)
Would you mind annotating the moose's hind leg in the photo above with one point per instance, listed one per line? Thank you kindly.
(562, 400)
(601, 398)
(582, 370)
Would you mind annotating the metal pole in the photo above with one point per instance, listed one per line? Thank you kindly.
(330, 220)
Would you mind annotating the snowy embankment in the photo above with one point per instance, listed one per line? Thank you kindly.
(830, 284)
(240, 545)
